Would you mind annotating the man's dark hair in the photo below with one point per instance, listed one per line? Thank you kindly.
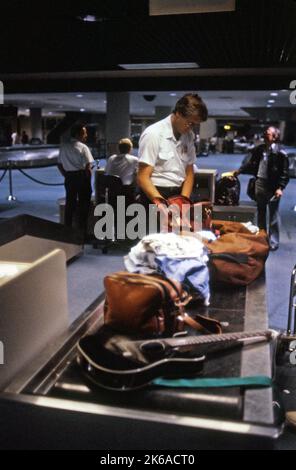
(191, 104)
(76, 129)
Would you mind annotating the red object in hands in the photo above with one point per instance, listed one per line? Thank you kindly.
(180, 209)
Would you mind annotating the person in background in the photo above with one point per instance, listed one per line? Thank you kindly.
(167, 152)
(15, 138)
(269, 163)
(213, 144)
(123, 164)
(24, 138)
(75, 162)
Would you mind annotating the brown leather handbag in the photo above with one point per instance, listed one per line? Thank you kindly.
(149, 304)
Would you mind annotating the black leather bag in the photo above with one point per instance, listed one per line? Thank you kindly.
(251, 188)
(227, 191)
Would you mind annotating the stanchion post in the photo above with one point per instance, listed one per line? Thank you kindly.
(11, 197)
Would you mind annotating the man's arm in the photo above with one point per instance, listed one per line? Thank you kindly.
(284, 176)
(188, 182)
(145, 183)
(61, 169)
(89, 159)
(88, 168)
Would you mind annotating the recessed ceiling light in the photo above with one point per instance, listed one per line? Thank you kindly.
(173, 94)
(79, 95)
(90, 18)
(268, 106)
(171, 65)
(82, 110)
(273, 94)
(271, 101)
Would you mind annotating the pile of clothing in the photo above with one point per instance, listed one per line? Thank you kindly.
(183, 258)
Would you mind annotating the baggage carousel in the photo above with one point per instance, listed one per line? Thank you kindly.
(35, 156)
(20, 157)
(54, 400)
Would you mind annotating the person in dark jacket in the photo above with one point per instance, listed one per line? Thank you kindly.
(270, 165)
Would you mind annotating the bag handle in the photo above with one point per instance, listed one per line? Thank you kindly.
(203, 324)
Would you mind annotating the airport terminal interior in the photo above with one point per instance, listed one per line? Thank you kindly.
(117, 68)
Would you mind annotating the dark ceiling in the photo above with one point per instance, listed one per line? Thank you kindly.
(47, 37)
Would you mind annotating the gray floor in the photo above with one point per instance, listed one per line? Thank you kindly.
(85, 275)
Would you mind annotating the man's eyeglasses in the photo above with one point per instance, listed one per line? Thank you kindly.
(190, 123)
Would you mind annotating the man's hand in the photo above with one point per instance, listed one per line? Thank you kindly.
(159, 201)
(165, 215)
(278, 193)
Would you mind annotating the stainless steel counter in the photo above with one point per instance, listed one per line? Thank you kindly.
(57, 408)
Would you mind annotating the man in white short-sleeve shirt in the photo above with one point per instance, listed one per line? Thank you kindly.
(75, 162)
(123, 164)
(167, 152)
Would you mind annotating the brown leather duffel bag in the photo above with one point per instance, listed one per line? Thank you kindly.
(238, 258)
(149, 304)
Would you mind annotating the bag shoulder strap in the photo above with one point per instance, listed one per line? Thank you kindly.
(239, 258)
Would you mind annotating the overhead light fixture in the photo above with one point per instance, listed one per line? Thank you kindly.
(173, 94)
(227, 127)
(179, 7)
(273, 94)
(90, 18)
(82, 110)
(149, 97)
(160, 66)
(79, 95)
(271, 101)
(268, 106)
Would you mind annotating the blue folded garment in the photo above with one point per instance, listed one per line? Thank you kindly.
(191, 272)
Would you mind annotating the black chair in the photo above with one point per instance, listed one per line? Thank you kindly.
(107, 190)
